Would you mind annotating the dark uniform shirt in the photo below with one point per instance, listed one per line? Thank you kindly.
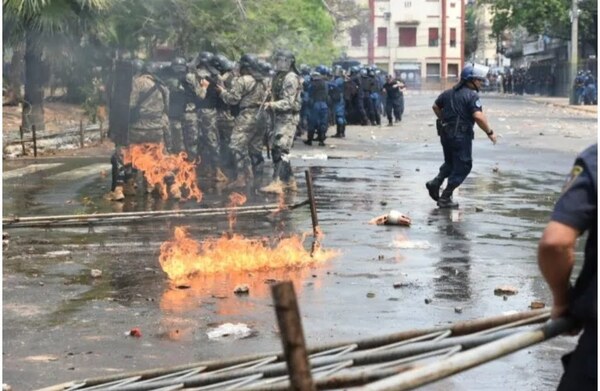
(459, 105)
(392, 89)
(577, 207)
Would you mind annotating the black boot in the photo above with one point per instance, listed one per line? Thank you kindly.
(308, 142)
(338, 132)
(344, 131)
(446, 202)
(433, 186)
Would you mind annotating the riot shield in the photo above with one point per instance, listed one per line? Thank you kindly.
(118, 121)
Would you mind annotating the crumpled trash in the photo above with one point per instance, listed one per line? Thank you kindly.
(392, 218)
(403, 242)
(134, 332)
(230, 330)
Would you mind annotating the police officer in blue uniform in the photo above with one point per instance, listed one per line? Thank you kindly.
(457, 111)
(575, 212)
(318, 92)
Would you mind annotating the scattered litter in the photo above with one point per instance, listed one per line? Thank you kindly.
(541, 133)
(383, 203)
(42, 358)
(478, 209)
(536, 305)
(417, 169)
(370, 295)
(318, 156)
(427, 301)
(505, 290)
(381, 257)
(96, 273)
(404, 243)
(495, 169)
(134, 332)
(184, 286)
(242, 289)
(235, 331)
(60, 253)
(6, 387)
(458, 310)
(392, 218)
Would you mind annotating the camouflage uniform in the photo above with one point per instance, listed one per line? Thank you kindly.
(286, 88)
(249, 94)
(149, 121)
(194, 93)
(175, 113)
(208, 140)
(225, 123)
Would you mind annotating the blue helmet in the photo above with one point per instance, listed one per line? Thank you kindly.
(322, 69)
(474, 72)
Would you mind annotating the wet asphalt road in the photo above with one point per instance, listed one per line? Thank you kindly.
(59, 324)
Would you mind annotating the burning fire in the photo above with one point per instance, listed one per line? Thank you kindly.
(156, 164)
(183, 257)
(235, 199)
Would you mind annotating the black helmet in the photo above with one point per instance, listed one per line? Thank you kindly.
(284, 60)
(204, 58)
(178, 65)
(136, 66)
(354, 70)
(265, 67)
(249, 61)
(221, 63)
(152, 68)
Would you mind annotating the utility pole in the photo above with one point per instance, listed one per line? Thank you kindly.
(574, 46)
(371, 36)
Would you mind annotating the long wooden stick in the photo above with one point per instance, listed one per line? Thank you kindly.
(292, 336)
(266, 208)
(313, 206)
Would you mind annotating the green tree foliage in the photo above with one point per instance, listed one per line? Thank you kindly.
(548, 17)
(471, 29)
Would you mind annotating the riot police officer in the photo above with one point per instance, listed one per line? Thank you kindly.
(575, 212)
(336, 96)
(318, 92)
(457, 110)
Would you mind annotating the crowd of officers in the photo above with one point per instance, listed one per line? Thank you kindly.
(223, 114)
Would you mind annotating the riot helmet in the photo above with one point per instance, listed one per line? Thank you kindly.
(321, 69)
(249, 63)
(304, 69)
(221, 63)
(474, 72)
(265, 67)
(338, 70)
(151, 68)
(178, 65)
(284, 60)
(205, 59)
(354, 70)
(136, 66)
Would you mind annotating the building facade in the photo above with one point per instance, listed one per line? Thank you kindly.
(420, 41)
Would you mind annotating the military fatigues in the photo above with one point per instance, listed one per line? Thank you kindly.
(577, 207)
(194, 94)
(249, 94)
(209, 140)
(176, 111)
(148, 122)
(225, 123)
(286, 103)
(458, 106)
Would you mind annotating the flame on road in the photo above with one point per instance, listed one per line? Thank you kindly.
(183, 257)
(156, 164)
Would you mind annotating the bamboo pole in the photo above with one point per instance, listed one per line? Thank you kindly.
(81, 133)
(34, 140)
(460, 328)
(14, 221)
(292, 336)
(472, 357)
(313, 207)
(22, 142)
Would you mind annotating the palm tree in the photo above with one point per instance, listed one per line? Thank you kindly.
(36, 23)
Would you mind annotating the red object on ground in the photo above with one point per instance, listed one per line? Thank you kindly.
(135, 332)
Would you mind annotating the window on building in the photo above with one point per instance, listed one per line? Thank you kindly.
(407, 4)
(434, 39)
(382, 36)
(453, 37)
(452, 71)
(433, 71)
(355, 36)
(407, 36)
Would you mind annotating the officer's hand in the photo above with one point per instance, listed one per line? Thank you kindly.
(205, 83)
(493, 137)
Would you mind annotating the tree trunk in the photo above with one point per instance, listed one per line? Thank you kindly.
(14, 77)
(33, 106)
